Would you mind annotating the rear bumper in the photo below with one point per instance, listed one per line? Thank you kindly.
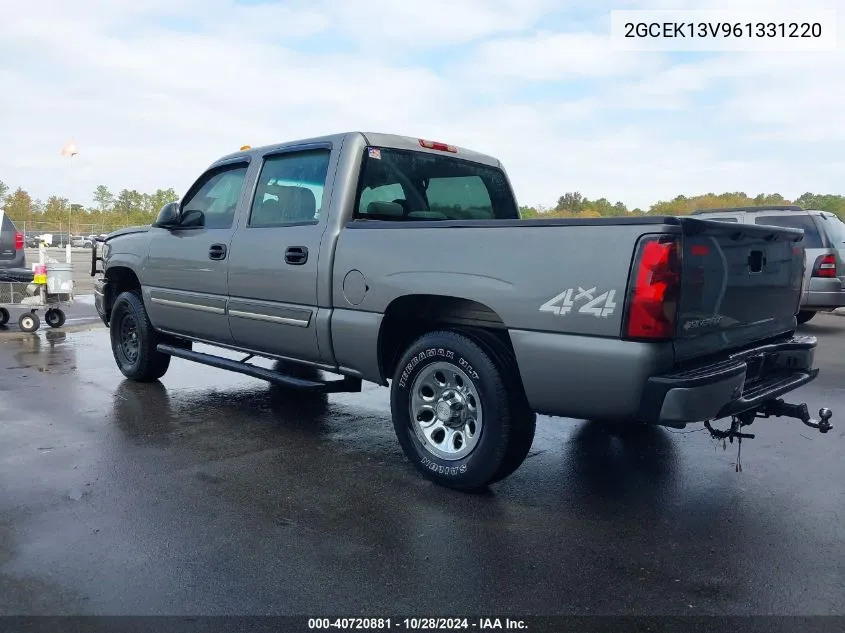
(824, 294)
(730, 386)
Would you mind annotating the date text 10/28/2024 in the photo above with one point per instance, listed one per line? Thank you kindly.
(417, 624)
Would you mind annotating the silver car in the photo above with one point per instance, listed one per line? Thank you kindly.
(824, 242)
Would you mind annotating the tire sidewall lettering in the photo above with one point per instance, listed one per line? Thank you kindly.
(439, 468)
(435, 353)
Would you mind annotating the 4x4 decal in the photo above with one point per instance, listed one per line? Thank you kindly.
(600, 306)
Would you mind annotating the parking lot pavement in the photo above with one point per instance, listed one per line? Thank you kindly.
(217, 494)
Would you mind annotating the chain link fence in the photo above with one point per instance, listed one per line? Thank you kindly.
(62, 232)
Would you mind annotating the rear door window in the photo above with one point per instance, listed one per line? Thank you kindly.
(835, 229)
(812, 237)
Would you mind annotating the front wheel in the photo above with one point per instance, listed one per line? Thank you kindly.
(29, 322)
(134, 341)
(453, 414)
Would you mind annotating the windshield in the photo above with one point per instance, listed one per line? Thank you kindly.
(407, 185)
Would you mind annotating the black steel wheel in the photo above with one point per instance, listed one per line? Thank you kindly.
(134, 341)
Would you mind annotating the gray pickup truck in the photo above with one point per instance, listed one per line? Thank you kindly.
(405, 262)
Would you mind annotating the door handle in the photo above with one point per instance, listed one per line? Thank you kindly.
(217, 251)
(296, 255)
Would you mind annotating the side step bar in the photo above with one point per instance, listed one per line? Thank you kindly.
(348, 384)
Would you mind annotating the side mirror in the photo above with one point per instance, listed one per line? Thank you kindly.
(168, 217)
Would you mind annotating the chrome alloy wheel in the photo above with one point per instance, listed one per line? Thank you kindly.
(446, 411)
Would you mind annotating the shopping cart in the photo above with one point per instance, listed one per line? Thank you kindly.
(48, 286)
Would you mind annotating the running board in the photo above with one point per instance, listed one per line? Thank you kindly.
(347, 384)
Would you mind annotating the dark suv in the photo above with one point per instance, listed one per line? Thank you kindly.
(12, 244)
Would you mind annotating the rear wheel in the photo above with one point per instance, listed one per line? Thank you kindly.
(453, 413)
(55, 317)
(4, 316)
(134, 341)
(805, 315)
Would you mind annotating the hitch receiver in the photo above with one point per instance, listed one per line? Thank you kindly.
(778, 408)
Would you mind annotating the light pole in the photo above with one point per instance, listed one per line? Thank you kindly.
(69, 149)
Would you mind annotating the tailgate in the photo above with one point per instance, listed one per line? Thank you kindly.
(739, 284)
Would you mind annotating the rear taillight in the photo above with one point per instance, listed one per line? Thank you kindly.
(654, 288)
(825, 266)
(19, 241)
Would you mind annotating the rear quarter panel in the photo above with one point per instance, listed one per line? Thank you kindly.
(513, 270)
(572, 361)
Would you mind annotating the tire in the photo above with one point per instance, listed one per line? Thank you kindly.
(4, 316)
(55, 317)
(804, 316)
(444, 368)
(525, 420)
(29, 322)
(134, 341)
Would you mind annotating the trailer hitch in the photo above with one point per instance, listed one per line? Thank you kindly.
(771, 408)
(778, 408)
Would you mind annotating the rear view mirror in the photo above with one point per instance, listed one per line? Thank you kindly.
(168, 217)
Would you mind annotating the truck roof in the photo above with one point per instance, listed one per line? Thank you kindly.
(379, 139)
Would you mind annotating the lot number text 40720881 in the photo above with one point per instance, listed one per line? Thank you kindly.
(417, 624)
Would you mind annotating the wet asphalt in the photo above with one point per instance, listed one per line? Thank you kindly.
(212, 493)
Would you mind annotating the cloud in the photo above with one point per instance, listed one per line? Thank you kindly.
(154, 90)
(387, 24)
(555, 57)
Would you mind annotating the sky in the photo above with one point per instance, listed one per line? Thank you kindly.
(153, 91)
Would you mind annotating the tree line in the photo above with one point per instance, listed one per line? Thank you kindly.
(575, 205)
(130, 207)
(109, 211)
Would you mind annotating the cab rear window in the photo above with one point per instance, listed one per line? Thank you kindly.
(402, 185)
(812, 237)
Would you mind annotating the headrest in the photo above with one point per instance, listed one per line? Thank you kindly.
(392, 209)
